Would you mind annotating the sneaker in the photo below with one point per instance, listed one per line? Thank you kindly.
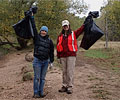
(36, 96)
(63, 89)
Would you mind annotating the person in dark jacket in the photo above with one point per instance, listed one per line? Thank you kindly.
(43, 55)
(66, 52)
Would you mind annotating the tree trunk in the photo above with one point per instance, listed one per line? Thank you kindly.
(22, 42)
(106, 34)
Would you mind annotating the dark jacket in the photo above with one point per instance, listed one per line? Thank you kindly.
(43, 45)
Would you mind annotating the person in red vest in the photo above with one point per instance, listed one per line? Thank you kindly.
(66, 53)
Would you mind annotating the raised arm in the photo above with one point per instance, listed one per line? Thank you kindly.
(34, 29)
(79, 31)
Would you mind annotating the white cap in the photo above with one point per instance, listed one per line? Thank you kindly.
(65, 22)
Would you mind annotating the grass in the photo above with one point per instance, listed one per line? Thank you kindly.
(116, 69)
(101, 94)
(105, 58)
(97, 53)
(3, 51)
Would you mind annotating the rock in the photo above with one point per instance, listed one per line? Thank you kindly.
(29, 57)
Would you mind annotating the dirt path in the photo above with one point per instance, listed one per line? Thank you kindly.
(91, 82)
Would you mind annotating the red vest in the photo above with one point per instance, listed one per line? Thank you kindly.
(72, 43)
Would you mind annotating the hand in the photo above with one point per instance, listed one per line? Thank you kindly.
(32, 14)
(34, 9)
(87, 21)
(51, 65)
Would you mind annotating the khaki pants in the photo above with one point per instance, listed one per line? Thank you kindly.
(68, 65)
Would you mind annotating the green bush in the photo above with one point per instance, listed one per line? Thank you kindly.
(27, 76)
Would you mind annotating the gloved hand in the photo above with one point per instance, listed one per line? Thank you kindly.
(94, 14)
(31, 11)
(34, 9)
(87, 20)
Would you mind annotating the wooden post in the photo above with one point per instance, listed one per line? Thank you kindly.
(106, 33)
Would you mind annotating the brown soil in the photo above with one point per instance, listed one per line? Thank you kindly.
(90, 81)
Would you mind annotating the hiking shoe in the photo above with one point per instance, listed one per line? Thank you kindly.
(36, 96)
(63, 89)
(69, 90)
(42, 96)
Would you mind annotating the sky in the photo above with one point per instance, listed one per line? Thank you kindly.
(94, 5)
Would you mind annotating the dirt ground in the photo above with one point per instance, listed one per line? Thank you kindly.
(90, 81)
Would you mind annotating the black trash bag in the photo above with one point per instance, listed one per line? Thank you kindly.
(88, 21)
(91, 33)
(94, 14)
(23, 28)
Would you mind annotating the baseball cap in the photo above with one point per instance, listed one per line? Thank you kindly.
(65, 22)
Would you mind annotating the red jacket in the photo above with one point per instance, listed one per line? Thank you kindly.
(66, 50)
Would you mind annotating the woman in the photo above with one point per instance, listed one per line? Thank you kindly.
(43, 54)
(66, 52)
